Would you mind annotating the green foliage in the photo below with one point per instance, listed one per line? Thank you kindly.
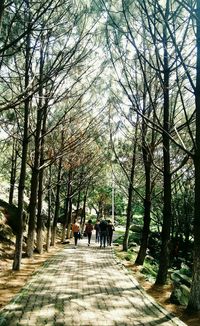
(119, 239)
(128, 256)
(101, 196)
(185, 270)
(134, 237)
(121, 220)
(150, 270)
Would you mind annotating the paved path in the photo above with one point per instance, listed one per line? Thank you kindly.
(84, 286)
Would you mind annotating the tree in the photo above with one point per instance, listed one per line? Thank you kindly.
(167, 215)
(194, 300)
(156, 33)
(19, 235)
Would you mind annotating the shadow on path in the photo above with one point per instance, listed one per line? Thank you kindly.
(84, 286)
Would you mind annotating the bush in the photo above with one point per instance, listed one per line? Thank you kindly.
(121, 220)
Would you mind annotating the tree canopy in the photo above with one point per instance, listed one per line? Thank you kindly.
(102, 98)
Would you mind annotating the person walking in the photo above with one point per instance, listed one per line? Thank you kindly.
(103, 232)
(97, 229)
(110, 232)
(76, 232)
(88, 230)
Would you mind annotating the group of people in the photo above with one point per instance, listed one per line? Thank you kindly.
(103, 232)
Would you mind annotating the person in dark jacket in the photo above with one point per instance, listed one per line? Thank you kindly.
(88, 230)
(110, 232)
(103, 232)
(97, 229)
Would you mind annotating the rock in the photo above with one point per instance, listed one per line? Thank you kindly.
(136, 228)
(180, 295)
(66, 242)
(186, 270)
(133, 244)
(185, 290)
(175, 296)
(136, 249)
(179, 278)
(150, 259)
(181, 291)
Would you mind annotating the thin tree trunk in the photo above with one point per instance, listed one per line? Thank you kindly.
(65, 224)
(78, 202)
(57, 205)
(32, 210)
(83, 215)
(33, 196)
(69, 218)
(13, 172)
(19, 235)
(1, 12)
(34, 189)
(39, 238)
(67, 207)
(79, 194)
(194, 299)
(147, 210)
(35, 170)
(164, 260)
(49, 211)
(147, 153)
(129, 212)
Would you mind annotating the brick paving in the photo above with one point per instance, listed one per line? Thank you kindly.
(85, 286)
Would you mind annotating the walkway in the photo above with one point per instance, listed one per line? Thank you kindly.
(84, 286)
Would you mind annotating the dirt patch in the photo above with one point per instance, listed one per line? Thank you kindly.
(12, 281)
(161, 294)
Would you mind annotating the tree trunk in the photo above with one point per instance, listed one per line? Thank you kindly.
(40, 222)
(67, 207)
(32, 211)
(35, 170)
(194, 299)
(147, 210)
(1, 12)
(57, 205)
(13, 172)
(49, 211)
(100, 209)
(19, 236)
(147, 155)
(164, 261)
(83, 215)
(129, 212)
(69, 219)
(79, 193)
(34, 189)
(65, 224)
(39, 243)
(78, 202)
